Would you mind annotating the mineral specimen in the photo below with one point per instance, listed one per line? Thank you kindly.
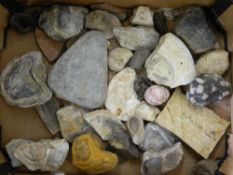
(208, 88)
(141, 84)
(23, 81)
(134, 38)
(80, 74)
(103, 21)
(170, 64)
(138, 59)
(142, 15)
(89, 158)
(136, 129)
(156, 95)
(62, 22)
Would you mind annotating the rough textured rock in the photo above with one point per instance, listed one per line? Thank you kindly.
(189, 119)
(80, 74)
(205, 167)
(135, 126)
(160, 22)
(142, 15)
(47, 113)
(71, 122)
(138, 59)
(170, 64)
(141, 84)
(134, 38)
(213, 62)
(156, 163)
(103, 21)
(118, 58)
(109, 128)
(23, 81)
(146, 112)
(45, 155)
(90, 158)
(62, 22)
(121, 98)
(194, 30)
(156, 95)
(208, 88)
(157, 138)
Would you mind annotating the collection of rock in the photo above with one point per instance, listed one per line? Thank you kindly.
(121, 116)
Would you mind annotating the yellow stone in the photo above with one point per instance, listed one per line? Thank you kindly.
(89, 158)
(199, 127)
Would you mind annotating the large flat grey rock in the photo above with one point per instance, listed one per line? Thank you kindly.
(80, 74)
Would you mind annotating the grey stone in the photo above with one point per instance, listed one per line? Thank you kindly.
(141, 84)
(135, 126)
(103, 21)
(134, 38)
(208, 88)
(23, 81)
(194, 30)
(156, 163)
(47, 113)
(139, 58)
(80, 74)
(157, 138)
(62, 22)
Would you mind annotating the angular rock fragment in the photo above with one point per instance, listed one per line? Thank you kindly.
(62, 22)
(121, 98)
(138, 59)
(80, 74)
(156, 163)
(171, 63)
(47, 113)
(118, 58)
(90, 158)
(108, 127)
(134, 38)
(156, 138)
(45, 155)
(194, 30)
(146, 112)
(23, 81)
(156, 95)
(160, 22)
(71, 122)
(215, 62)
(205, 167)
(208, 88)
(141, 84)
(103, 21)
(142, 15)
(135, 126)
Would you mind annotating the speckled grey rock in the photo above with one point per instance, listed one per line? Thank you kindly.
(156, 163)
(23, 81)
(109, 128)
(103, 21)
(141, 84)
(208, 88)
(80, 74)
(157, 138)
(194, 30)
(134, 38)
(138, 59)
(62, 22)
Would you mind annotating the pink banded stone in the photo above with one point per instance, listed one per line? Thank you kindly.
(156, 95)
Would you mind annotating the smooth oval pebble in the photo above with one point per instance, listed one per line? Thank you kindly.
(156, 95)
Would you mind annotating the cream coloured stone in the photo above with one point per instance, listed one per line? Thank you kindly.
(213, 62)
(142, 15)
(146, 112)
(121, 97)
(118, 58)
(171, 63)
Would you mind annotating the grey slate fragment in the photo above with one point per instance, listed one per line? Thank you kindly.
(139, 58)
(80, 74)
(194, 30)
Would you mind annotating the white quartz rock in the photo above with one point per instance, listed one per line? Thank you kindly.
(118, 58)
(142, 15)
(171, 63)
(45, 155)
(146, 112)
(121, 97)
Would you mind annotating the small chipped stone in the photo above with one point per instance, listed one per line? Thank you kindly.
(146, 112)
(141, 84)
(142, 15)
(135, 126)
(138, 59)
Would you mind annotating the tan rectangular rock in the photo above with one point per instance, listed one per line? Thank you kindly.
(199, 127)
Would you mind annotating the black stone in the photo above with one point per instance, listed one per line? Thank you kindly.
(160, 23)
(141, 84)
